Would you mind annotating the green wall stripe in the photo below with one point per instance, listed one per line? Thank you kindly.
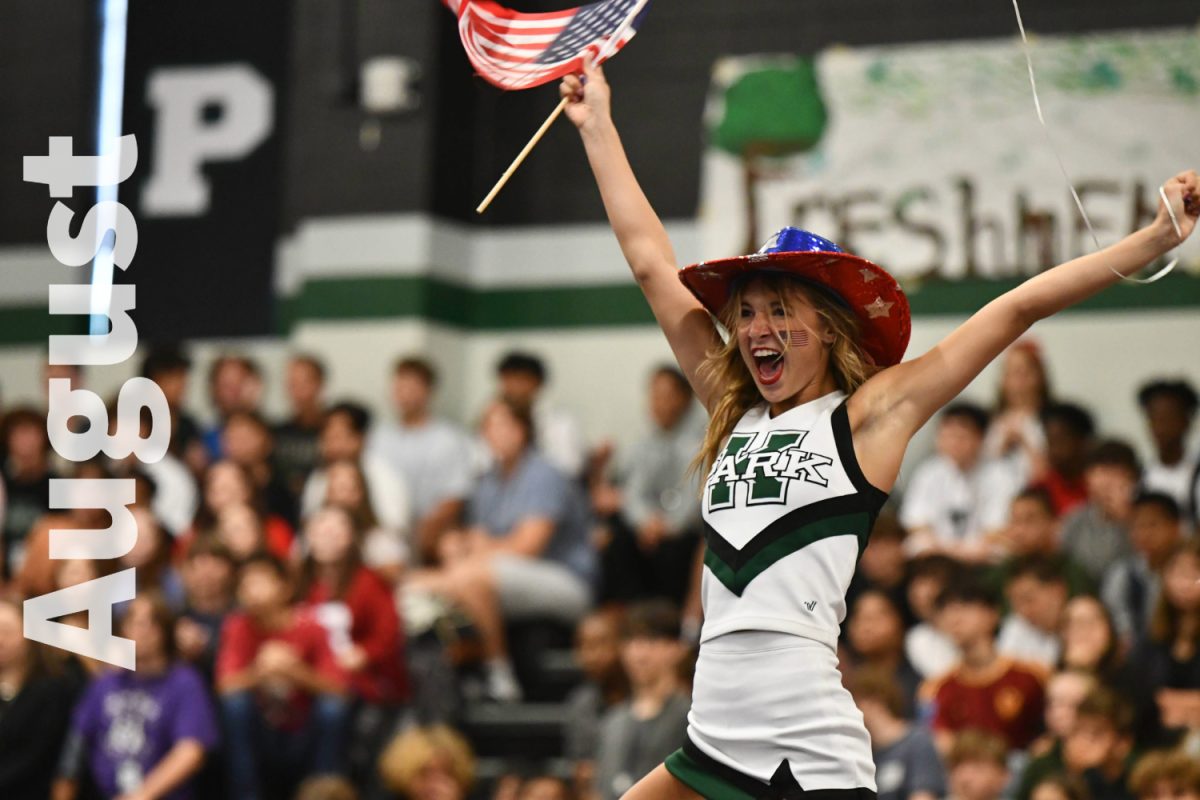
(623, 304)
(33, 325)
(436, 300)
(475, 309)
(1178, 290)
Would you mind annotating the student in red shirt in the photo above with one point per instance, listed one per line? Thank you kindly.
(1069, 436)
(282, 690)
(985, 691)
(354, 604)
(230, 498)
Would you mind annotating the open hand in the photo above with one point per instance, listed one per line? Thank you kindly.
(1179, 708)
(452, 546)
(1183, 192)
(651, 534)
(587, 97)
(352, 659)
(190, 639)
(276, 659)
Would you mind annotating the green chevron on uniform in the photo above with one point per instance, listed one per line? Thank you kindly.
(736, 580)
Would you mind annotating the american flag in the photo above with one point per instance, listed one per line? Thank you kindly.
(518, 51)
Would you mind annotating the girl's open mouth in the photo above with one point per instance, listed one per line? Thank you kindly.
(768, 364)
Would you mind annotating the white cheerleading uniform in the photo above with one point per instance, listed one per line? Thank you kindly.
(787, 512)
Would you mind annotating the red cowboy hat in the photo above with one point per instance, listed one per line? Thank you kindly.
(866, 289)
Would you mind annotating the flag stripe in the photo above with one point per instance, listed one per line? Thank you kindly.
(487, 50)
(498, 32)
(503, 53)
(511, 71)
(521, 19)
(514, 50)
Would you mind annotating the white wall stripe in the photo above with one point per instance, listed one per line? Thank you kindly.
(417, 244)
(28, 271)
(397, 245)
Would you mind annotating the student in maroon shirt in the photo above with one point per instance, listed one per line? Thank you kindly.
(985, 690)
(282, 690)
(354, 604)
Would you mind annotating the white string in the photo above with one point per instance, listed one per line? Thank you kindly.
(1037, 104)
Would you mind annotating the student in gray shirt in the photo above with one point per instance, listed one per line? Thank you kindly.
(654, 535)
(907, 765)
(636, 735)
(598, 654)
(1097, 534)
(432, 455)
(525, 552)
(1132, 585)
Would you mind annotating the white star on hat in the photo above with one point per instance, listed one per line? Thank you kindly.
(878, 308)
(867, 275)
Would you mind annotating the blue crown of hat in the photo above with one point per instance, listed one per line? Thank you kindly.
(794, 240)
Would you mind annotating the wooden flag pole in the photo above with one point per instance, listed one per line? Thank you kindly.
(610, 47)
(537, 137)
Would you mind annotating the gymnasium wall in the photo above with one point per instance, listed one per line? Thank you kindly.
(598, 368)
(374, 249)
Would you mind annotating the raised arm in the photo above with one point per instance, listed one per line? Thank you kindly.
(895, 403)
(643, 240)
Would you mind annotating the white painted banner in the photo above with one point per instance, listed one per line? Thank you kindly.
(929, 158)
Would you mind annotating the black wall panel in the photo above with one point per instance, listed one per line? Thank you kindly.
(341, 160)
(47, 76)
(205, 269)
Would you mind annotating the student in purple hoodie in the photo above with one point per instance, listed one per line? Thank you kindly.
(141, 735)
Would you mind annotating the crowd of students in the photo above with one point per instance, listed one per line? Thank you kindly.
(1024, 624)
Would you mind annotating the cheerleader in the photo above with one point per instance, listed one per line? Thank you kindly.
(810, 411)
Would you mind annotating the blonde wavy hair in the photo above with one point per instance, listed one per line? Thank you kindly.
(724, 366)
(409, 752)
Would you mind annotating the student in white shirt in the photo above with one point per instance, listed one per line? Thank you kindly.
(926, 646)
(342, 438)
(1169, 407)
(1016, 437)
(1036, 590)
(957, 501)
